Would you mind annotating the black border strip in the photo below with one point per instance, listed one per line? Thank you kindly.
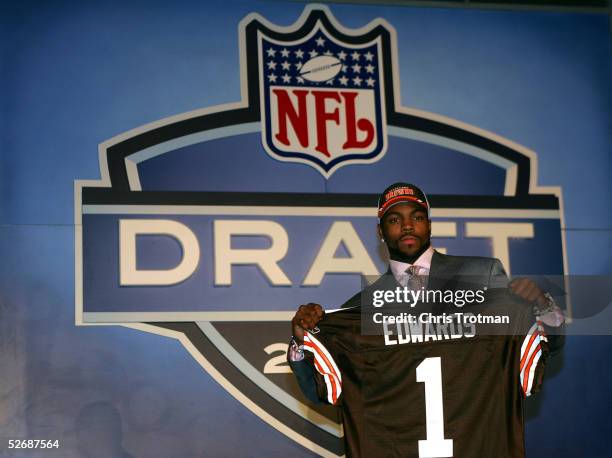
(109, 196)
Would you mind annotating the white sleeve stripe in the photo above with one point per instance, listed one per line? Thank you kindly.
(321, 347)
(542, 332)
(525, 359)
(528, 337)
(531, 351)
(532, 371)
(531, 374)
(326, 366)
(328, 382)
(334, 388)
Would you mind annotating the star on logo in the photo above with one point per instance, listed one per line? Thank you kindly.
(285, 65)
(328, 53)
(286, 78)
(299, 53)
(355, 56)
(313, 53)
(272, 78)
(357, 81)
(369, 68)
(344, 67)
(320, 41)
(271, 52)
(271, 65)
(343, 80)
(369, 56)
(300, 80)
(285, 52)
(356, 68)
(370, 82)
(298, 65)
(341, 55)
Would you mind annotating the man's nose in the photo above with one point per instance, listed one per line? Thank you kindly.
(407, 224)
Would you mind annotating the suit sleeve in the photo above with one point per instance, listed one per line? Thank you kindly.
(306, 377)
(556, 338)
(497, 275)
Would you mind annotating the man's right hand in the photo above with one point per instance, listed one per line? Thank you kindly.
(306, 318)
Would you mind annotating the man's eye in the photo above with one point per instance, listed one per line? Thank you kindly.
(418, 219)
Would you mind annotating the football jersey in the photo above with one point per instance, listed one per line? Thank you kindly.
(431, 390)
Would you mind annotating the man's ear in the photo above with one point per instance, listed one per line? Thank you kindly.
(379, 230)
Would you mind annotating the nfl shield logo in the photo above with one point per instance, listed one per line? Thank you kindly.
(321, 96)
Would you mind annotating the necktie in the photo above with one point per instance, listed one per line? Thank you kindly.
(415, 280)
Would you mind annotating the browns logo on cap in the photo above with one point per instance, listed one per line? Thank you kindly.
(399, 193)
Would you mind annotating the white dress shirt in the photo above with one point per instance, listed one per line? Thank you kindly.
(399, 268)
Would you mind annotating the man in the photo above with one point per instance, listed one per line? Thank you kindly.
(405, 228)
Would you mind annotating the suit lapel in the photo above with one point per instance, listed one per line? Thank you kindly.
(443, 269)
(388, 280)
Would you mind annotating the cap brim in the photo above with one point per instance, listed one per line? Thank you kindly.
(401, 200)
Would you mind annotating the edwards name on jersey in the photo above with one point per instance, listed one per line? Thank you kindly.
(431, 395)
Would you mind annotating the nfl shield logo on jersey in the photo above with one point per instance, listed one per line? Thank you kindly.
(321, 97)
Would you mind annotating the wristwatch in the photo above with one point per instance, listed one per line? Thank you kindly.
(548, 307)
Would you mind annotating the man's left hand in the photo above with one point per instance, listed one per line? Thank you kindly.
(527, 289)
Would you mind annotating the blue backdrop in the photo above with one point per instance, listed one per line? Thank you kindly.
(75, 74)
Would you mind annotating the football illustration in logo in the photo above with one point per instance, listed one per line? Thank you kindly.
(321, 98)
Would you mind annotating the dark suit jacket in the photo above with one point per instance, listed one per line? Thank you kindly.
(446, 272)
(449, 272)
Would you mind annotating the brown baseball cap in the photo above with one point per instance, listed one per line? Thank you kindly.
(399, 193)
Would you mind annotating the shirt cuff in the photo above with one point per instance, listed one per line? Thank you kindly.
(296, 352)
(554, 318)
(551, 315)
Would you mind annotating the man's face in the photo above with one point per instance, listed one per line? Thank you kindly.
(405, 228)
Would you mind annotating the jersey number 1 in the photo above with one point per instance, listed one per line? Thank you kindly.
(429, 372)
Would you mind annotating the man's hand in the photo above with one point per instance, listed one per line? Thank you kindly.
(527, 290)
(306, 317)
